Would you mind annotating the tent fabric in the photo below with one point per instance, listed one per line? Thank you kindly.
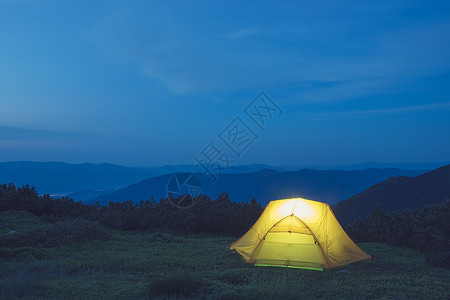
(299, 233)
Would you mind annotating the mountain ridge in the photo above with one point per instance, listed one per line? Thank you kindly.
(265, 185)
(397, 193)
(87, 180)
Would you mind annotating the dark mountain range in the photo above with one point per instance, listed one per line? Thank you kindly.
(374, 165)
(86, 181)
(265, 185)
(61, 178)
(397, 193)
(168, 169)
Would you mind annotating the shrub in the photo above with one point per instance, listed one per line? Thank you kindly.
(8, 240)
(74, 230)
(5, 252)
(211, 216)
(440, 259)
(180, 283)
(427, 230)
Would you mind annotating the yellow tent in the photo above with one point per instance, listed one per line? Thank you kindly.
(298, 233)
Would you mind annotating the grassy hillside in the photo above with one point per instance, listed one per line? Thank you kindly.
(142, 265)
(397, 193)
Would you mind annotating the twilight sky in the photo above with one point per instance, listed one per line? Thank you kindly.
(148, 83)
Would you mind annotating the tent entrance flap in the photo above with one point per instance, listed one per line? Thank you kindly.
(283, 243)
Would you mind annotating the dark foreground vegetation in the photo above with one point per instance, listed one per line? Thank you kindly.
(118, 264)
(61, 249)
(427, 230)
(219, 216)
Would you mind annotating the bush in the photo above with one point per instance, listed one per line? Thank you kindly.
(27, 199)
(8, 240)
(5, 252)
(211, 216)
(427, 230)
(60, 233)
(181, 283)
(440, 259)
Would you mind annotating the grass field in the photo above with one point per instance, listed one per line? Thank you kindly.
(143, 265)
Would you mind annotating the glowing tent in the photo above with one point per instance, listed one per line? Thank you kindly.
(298, 233)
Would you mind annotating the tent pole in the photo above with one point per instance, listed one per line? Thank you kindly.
(315, 240)
(262, 239)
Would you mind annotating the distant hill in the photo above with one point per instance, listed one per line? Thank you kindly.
(167, 169)
(265, 185)
(62, 178)
(397, 193)
(86, 181)
(374, 165)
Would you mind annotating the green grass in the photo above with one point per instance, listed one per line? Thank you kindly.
(144, 265)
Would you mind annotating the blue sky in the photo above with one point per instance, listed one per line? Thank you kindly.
(153, 82)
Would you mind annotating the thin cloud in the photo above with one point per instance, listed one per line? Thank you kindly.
(395, 110)
(188, 61)
(242, 33)
(9, 133)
